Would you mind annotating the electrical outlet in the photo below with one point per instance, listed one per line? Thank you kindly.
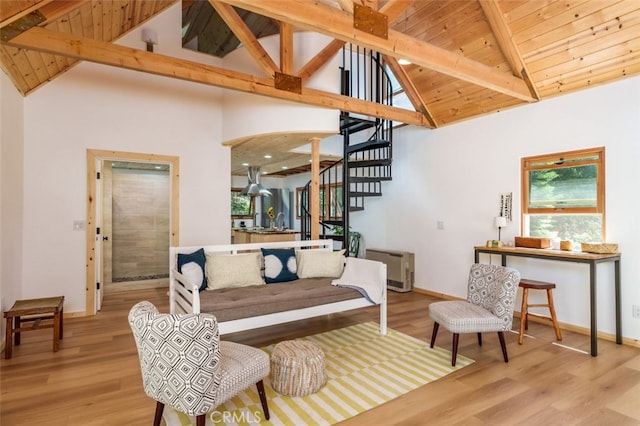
(636, 311)
(440, 224)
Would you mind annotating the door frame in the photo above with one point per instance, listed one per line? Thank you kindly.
(93, 156)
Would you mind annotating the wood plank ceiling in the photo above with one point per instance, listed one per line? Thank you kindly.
(469, 57)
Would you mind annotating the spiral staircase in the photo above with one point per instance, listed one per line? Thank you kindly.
(367, 151)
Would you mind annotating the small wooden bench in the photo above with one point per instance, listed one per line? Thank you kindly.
(35, 311)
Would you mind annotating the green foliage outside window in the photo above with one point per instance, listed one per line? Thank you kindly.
(563, 188)
(564, 196)
(577, 228)
(240, 204)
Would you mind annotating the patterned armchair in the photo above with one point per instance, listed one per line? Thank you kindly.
(186, 366)
(491, 296)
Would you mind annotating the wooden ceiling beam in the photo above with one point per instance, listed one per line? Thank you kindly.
(286, 48)
(503, 35)
(394, 8)
(320, 59)
(246, 37)
(373, 4)
(346, 5)
(6, 17)
(410, 89)
(338, 24)
(44, 40)
(49, 9)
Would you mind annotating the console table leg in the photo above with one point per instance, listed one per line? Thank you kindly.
(616, 267)
(594, 311)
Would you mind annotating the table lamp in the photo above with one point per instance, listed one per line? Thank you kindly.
(499, 222)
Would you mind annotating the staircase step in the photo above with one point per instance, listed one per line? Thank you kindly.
(370, 163)
(364, 194)
(354, 128)
(355, 124)
(332, 222)
(356, 208)
(359, 179)
(331, 237)
(368, 145)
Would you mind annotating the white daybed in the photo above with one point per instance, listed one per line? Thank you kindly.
(184, 296)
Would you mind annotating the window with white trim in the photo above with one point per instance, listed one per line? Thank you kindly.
(563, 195)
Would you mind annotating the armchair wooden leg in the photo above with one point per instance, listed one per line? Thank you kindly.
(434, 334)
(524, 323)
(201, 420)
(454, 354)
(263, 399)
(479, 339)
(503, 346)
(158, 416)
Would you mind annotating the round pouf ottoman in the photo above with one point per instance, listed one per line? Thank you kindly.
(297, 368)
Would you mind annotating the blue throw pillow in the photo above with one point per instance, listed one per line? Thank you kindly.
(192, 266)
(279, 265)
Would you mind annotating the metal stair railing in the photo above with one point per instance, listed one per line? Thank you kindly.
(366, 162)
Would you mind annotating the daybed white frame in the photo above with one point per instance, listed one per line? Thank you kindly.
(184, 296)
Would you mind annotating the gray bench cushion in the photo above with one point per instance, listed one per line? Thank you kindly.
(235, 303)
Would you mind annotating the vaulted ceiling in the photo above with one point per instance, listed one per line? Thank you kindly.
(468, 57)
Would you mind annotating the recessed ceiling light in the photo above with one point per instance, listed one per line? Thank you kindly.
(284, 167)
(267, 156)
(404, 61)
(245, 164)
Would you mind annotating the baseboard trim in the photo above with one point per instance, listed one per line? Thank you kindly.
(564, 326)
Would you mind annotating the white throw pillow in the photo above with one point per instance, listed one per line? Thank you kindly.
(238, 270)
(320, 263)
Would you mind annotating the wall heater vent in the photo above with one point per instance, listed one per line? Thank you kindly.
(400, 268)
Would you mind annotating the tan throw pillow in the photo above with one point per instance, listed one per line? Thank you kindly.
(238, 270)
(320, 263)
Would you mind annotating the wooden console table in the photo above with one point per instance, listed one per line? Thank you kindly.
(592, 259)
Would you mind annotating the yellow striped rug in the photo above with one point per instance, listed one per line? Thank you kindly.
(364, 370)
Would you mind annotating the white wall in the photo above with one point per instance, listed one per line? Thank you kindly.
(455, 174)
(96, 107)
(11, 166)
(247, 114)
(64, 119)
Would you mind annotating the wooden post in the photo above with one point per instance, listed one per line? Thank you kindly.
(286, 48)
(314, 199)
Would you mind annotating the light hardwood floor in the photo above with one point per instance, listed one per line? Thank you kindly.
(95, 378)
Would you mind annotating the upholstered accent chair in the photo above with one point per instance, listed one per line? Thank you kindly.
(186, 366)
(491, 295)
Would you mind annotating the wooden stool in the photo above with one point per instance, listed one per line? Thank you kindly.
(526, 284)
(36, 310)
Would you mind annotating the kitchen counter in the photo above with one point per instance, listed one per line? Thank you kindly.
(262, 235)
